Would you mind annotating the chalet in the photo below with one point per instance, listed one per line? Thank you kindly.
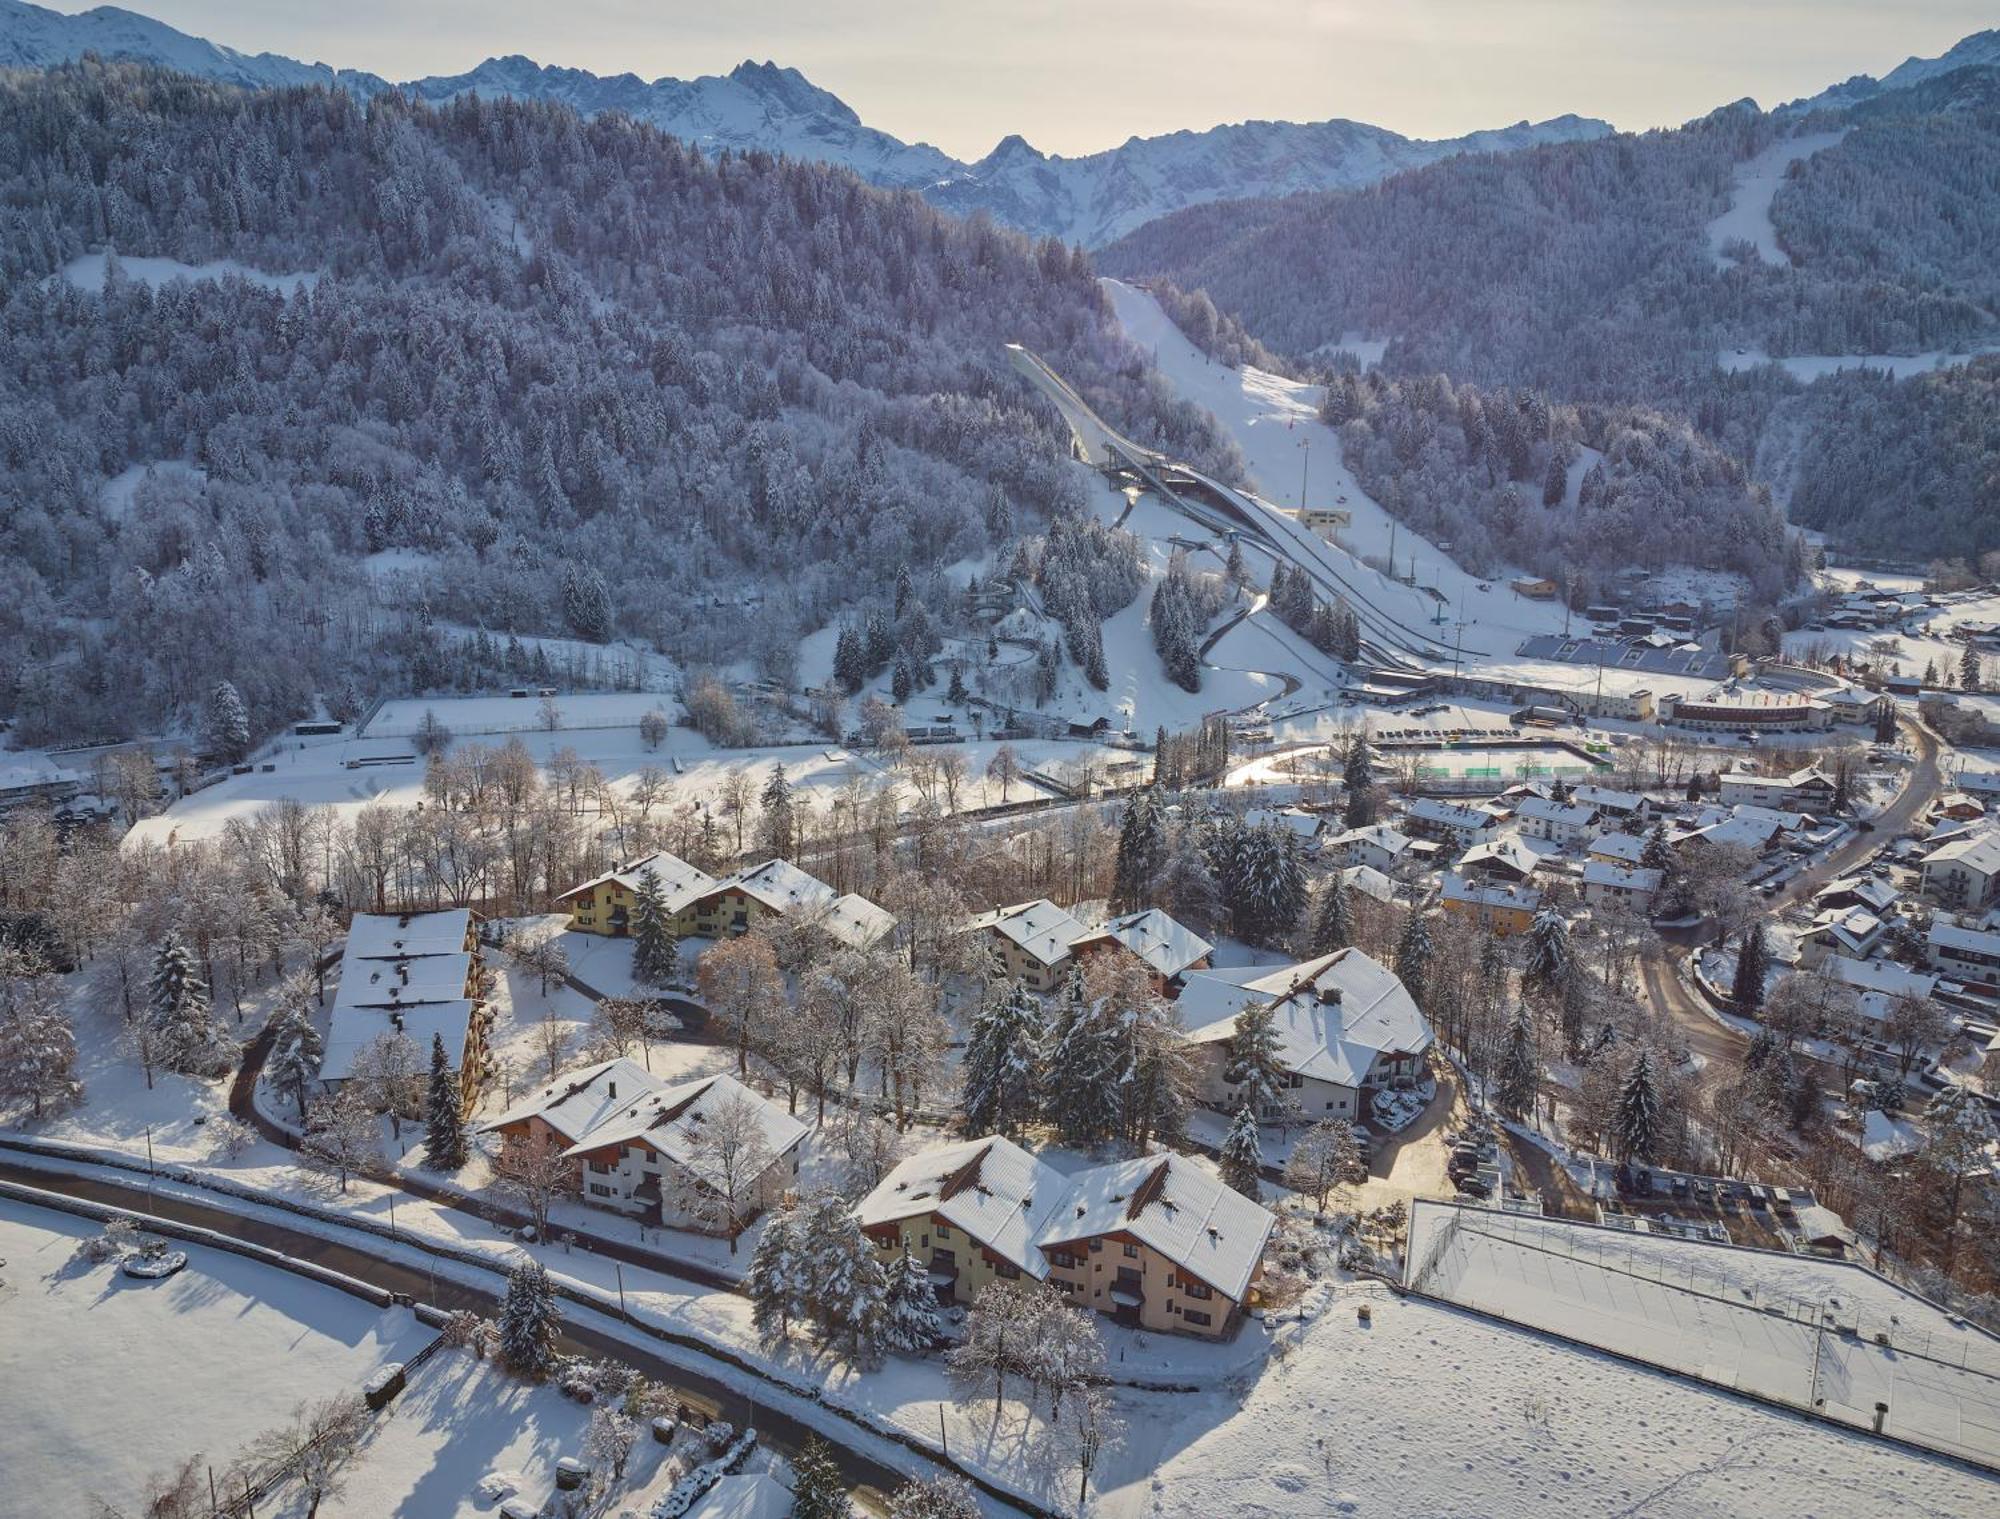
(1878, 984)
(1959, 806)
(770, 890)
(640, 1145)
(1621, 806)
(1854, 933)
(1561, 823)
(1345, 1025)
(1801, 791)
(1964, 954)
(1620, 888)
(603, 905)
(1626, 849)
(1380, 846)
(1500, 909)
(416, 975)
(1871, 892)
(1155, 1242)
(1167, 950)
(1449, 822)
(1964, 874)
(1032, 940)
(1503, 859)
(1369, 881)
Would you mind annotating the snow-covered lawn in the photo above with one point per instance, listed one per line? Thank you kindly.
(1797, 1329)
(86, 272)
(105, 1380)
(1426, 1411)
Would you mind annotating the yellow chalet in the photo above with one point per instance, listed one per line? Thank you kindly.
(604, 905)
(699, 903)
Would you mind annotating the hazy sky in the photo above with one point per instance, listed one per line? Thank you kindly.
(1073, 78)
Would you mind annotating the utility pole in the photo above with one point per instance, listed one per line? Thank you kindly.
(1305, 470)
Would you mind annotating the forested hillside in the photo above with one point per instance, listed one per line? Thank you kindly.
(1585, 271)
(579, 374)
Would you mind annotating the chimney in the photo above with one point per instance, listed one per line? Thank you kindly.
(611, 1089)
(1329, 996)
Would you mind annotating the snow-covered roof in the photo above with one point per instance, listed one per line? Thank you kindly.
(1369, 881)
(1606, 800)
(401, 983)
(1483, 891)
(680, 882)
(350, 1030)
(1507, 850)
(777, 884)
(1380, 836)
(578, 1101)
(1978, 851)
(1425, 809)
(1870, 891)
(747, 1495)
(1604, 873)
(391, 936)
(1304, 824)
(1176, 1209)
(1879, 982)
(1040, 928)
(1741, 833)
(1333, 1015)
(856, 922)
(1624, 848)
(1166, 946)
(1978, 941)
(1854, 927)
(1547, 810)
(994, 1190)
(670, 1119)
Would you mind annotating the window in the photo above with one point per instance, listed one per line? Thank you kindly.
(1197, 1290)
(601, 1167)
(944, 1231)
(1131, 1252)
(1007, 1271)
(1096, 1245)
(1192, 1317)
(1065, 1260)
(598, 1189)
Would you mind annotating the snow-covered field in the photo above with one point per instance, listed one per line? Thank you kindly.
(476, 715)
(1808, 367)
(105, 1380)
(1748, 218)
(86, 272)
(1796, 1329)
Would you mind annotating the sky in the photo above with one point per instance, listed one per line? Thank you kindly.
(1081, 76)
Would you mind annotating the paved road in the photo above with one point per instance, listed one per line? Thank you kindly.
(871, 1478)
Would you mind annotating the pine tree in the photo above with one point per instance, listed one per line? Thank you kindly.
(528, 1320)
(1081, 1061)
(848, 1289)
(444, 1124)
(37, 1044)
(655, 955)
(775, 1281)
(910, 1320)
(779, 828)
(1142, 849)
(227, 725)
(1358, 776)
(1753, 958)
(1413, 957)
(178, 1008)
(1658, 853)
(850, 660)
(1254, 1063)
(1968, 669)
(1520, 1071)
(817, 1489)
(1885, 721)
(905, 588)
(1334, 926)
(1550, 958)
(1638, 1119)
(296, 1050)
(998, 1079)
(1243, 1155)
(586, 603)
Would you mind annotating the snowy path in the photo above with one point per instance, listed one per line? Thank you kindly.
(1748, 218)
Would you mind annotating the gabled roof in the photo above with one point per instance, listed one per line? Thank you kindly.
(777, 884)
(1548, 810)
(669, 1121)
(1448, 814)
(350, 1030)
(1605, 799)
(578, 1101)
(1333, 1015)
(1978, 851)
(680, 882)
(1040, 928)
(1165, 945)
(1480, 891)
(1304, 824)
(1173, 1207)
(1871, 892)
(401, 983)
(1855, 927)
(1603, 873)
(994, 1190)
(1380, 835)
(1369, 881)
(1506, 850)
(1625, 848)
(856, 922)
(1977, 941)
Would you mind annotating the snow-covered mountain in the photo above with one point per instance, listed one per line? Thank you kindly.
(1090, 199)
(1099, 197)
(1980, 50)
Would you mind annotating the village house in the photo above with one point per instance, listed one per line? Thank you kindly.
(1505, 859)
(1627, 849)
(1155, 1242)
(1502, 909)
(1561, 823)
(1450, 823)
(1032, 939)
(697, 903)
(644, 1147)
(416, 975)
(1964, 954)
(1346, 1026)
(603, 905)
(1964, 874)
(1167, 950)
(1626, 807)
(1878, 984)
(1852, 932)
(1380, 846)
(1369, 881)
(1801, 791)
(1620, 888)
(1872, 892)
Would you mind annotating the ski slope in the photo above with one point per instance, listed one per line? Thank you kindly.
(1275, 422)
(1748, 218)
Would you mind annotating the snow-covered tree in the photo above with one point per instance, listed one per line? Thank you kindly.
(1243, 1155)
(342, 1135)
(534, 1171)
(998, 1079)
(1520, 1075)
(1637, 1131)
(444, 1125)
(1414, 949)
(942, 1497)
(1082, 1055)
(529, 1320)
(910, 1321)
(1255, 1064)
(995, 1344)
(1142, 847)
(1753, 958)
(1958, 1151)
(655, 956)
(177, 1007)
(718, 1186)
(296, 1051)
(817, 1489)
(226, 724)
(1323, 1159)
(1551, 960)
(1333, 924)
(847, 1286)
(37, 1044)
(776, 1281)
(607, 1446)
